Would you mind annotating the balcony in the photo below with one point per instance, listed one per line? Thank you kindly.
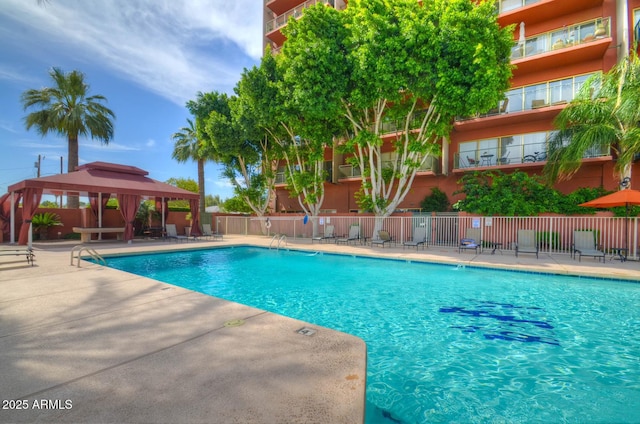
(576, 43)
(431, 165)
(510, 152)
(272, 27)
(281, 176)
(349, 171)
(534, 11)
(546, 99)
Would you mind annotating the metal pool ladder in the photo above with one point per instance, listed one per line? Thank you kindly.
(280, 238)
(94, 255)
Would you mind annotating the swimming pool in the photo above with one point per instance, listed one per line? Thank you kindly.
(445, 344)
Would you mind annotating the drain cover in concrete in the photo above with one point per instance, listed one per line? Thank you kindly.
(306, 331)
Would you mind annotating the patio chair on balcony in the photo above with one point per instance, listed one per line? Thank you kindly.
(504, 160)
(472, 161)
(503, 107)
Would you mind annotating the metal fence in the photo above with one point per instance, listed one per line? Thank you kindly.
(554, 233)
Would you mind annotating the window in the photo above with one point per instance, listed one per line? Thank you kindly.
(561, 91)
(534, 145)
(535, 96)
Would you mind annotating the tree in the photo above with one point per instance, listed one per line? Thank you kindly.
(192, 142)
(311, 121)
(68, 110)
(437, 201)
(416, 65)
(242, 144)
(186, 184)
(213, 200)
(604, 115)
(188, 147)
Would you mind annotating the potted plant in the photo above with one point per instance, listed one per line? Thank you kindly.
(42, 221)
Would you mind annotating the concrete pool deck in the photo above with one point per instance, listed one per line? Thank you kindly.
(94, 344)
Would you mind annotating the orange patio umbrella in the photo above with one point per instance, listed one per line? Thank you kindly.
(625, 198)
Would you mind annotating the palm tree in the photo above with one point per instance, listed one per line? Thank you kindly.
(604, 115)
(188, 147)
(67, 109)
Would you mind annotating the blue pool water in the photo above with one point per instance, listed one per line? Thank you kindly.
(445, 344)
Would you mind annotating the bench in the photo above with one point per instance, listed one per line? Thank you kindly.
(28, 252)
(86, 232)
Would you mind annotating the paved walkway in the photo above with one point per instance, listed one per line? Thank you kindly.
(93, 344)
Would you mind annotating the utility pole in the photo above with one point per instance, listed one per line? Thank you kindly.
(37, 165)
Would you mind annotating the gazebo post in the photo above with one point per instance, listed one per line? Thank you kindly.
(100, 214)
(163, 223)
(13, 219)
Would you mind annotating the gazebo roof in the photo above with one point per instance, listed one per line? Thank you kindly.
(104, 177)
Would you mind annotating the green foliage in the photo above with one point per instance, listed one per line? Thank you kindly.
(236, 204)
(45, 220)
(212, 200)
(188, 184)
(569, 204)
(518, 194)
(49, 204)
(380, 62)
(437, 201)
(147, 213)
(112, 203)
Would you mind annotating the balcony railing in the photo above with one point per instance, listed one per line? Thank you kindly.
(509, 5)
(295, 13)
(349, 171)
(569, 36)
(431, 164)
(512, 154)
(549, 93)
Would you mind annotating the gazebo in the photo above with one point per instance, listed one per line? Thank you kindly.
(98, 181)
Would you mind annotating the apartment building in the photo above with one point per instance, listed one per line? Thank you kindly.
(558, 44)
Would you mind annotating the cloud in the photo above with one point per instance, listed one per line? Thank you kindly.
(19, 76)
(111, 147)
(172, 48)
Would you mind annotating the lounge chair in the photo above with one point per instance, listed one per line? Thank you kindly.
(354, 234)
(419, 238)
(471, 241)
(527, 242)
(383, 238)
(172, 233)
(584, 244)
(19, 251)
(328, 235)
(206, 232)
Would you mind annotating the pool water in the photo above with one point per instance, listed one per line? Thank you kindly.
(445, 344)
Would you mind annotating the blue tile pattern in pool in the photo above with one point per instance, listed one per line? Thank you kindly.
(445, 344)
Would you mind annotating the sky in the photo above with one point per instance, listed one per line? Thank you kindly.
(147, 57)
